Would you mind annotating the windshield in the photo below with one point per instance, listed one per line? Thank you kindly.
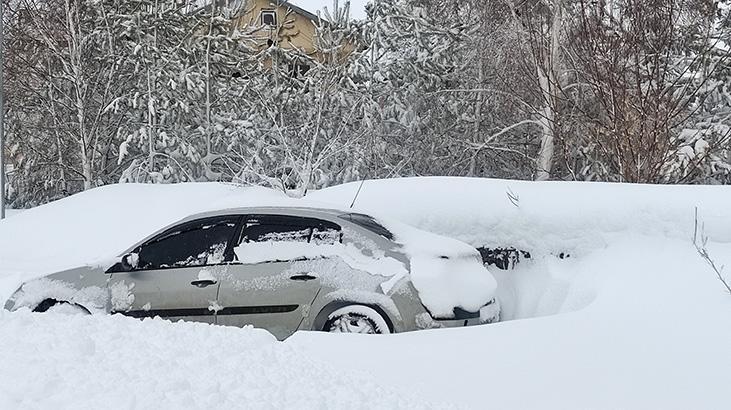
(367, 222)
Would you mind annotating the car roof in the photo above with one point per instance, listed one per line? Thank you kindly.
(293, 210)
(304, 211)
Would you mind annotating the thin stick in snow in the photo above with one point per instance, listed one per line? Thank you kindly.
(700, 246)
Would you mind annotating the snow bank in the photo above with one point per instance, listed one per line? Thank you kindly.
(556, 217)
(12, 212)
(643, 324)
(633, 320)
(53, 361)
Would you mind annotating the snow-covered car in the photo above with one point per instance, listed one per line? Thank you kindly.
(282, 269)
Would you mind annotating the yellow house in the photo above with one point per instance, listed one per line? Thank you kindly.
(281, 23)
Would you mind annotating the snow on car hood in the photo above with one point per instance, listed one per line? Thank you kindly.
(447, 273)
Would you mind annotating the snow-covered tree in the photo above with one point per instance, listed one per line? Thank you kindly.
(409, 58)
(185, 74)
(653, 68)
(305, 113)
(62, 73)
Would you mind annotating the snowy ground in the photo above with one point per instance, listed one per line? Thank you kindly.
(633, 319)
(116, 362)
(12, 212)
(643, 324)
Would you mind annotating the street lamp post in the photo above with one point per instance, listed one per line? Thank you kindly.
(2, 117)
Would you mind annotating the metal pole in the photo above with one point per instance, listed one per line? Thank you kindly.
(2, 117)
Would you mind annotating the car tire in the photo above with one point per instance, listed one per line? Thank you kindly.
(356, 319)
(60, 306)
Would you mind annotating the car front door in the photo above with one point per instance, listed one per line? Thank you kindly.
(271, 283)
(176, 274)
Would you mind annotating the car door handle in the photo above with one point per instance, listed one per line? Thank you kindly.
(304, 277)
(203, 283)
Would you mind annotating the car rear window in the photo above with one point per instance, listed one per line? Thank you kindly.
(367, 222)
(285, 228)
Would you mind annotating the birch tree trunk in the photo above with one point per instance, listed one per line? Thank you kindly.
(549, 84)
(478, 113)
(544, 160)
(72, 9)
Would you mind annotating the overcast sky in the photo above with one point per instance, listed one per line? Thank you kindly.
(357, 7)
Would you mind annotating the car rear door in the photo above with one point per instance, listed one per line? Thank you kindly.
(271, 283)
(178, 272)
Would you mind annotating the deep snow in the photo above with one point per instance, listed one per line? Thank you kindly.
(633, 319)
(642, 324)
(115, 362)
(554, 217)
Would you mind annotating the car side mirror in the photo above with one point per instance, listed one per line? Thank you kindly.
(130, 261)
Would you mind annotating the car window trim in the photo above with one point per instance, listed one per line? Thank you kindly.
(228, 252)
(312, 227)
(318, 223)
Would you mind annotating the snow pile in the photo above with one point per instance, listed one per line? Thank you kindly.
(445, 272)
(634, 319)
(556, 217)
(12, 212)
(643, 324)
(54, 361)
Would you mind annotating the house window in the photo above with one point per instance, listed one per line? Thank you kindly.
(269, 17)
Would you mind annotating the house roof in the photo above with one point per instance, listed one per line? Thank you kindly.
(357, 9)
(282, 3)
(297, 9)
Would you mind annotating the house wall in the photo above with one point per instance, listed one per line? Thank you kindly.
(292, 31)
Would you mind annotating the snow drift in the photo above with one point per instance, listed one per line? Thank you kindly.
(545, 216)
(53, 361)
(634, 319)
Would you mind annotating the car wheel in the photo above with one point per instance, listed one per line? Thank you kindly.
(62, 307)
(356, 319)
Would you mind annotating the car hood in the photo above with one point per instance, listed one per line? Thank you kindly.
(446, 273)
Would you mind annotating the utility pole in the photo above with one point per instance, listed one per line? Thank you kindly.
(2, 118)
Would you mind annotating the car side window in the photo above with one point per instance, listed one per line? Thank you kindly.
(277, 230)
(197, 243)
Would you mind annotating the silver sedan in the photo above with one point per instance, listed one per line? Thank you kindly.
(279, 268)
